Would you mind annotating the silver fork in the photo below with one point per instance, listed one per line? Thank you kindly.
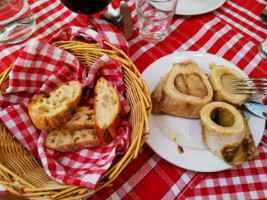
(250, 86)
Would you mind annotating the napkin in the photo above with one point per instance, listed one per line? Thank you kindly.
(40, 68)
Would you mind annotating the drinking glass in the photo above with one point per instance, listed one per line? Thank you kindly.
(154, 17)
(17, 21)
(86, 7)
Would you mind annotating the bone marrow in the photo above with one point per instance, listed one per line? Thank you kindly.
(221, 81)
(183, 91)
(226, 133)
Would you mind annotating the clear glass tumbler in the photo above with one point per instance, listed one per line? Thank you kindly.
(154, 17)
(17, 21)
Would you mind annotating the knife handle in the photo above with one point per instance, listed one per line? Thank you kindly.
(127, 21)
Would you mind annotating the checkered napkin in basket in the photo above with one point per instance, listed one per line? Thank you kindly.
(42, 67)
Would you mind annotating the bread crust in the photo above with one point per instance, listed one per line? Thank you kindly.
(107, 134)
(47, 122)
(71, 140)
(81, 119)
(77, 146)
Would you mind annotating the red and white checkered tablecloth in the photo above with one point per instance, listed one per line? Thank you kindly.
(233, 32)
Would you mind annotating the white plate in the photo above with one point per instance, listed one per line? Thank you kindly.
(164, 128)
(195, 7)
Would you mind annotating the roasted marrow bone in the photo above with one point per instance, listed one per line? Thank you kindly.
(226, 133)
(183, 91)
(221, 81)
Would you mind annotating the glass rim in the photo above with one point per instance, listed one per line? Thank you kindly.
(8, 6)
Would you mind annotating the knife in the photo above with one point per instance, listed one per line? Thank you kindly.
(257, 109)
(112, 16)
(127, 21)
(264, 14)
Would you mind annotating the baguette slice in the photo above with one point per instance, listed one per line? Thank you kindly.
(107, 111)
(70, 140)
(83, 118)
(51, 110)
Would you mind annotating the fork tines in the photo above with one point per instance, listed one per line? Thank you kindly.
(250, 86)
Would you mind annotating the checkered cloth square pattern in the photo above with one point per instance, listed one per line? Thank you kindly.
(232, 32)
(42, 67)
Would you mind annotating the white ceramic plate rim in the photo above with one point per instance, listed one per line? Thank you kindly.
(196, 7)
(192, 159)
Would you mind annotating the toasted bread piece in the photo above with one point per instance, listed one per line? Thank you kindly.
(107, 111)
(83, 118)
(51, 110)
(70, 140)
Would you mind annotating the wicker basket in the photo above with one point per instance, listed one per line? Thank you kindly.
(22, 174)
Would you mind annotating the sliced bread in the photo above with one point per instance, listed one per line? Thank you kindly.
(107, 111)
(70, 140)
(83, 118)
(51, 110)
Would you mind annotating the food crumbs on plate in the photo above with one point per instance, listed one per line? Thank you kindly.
(180, 149)
(173, 136)
(212, 65)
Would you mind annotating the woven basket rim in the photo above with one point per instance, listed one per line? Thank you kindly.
(137, 94)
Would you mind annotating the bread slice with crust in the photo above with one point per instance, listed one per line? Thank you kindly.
(51, 110)
(83, 118)
(70, 140)
(107, 111)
